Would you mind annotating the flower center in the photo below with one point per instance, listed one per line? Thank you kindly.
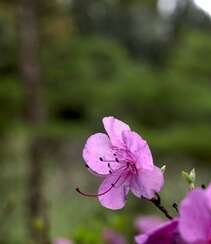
(121, 164)
(120, 161)
(132, 168)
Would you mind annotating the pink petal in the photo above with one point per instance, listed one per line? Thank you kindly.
(147, 182)
(98, 145)
(195, 217)
(141, 239)
(62, 241)
(115, 198)
(164, 234)
(114, 128)
(208, 194)
(147, 223)
(112, 237)
(139, 149)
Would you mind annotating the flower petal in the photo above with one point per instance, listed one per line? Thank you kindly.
(139, 149)
(114, 128)
(147, 223)
(98, 146)
(113, 237)
(195, 217)
(115, 198)
(141, 239)
(147, 182)
(208, 194)
(164, 234)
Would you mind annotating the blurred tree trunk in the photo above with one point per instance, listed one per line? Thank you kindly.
(30, 70)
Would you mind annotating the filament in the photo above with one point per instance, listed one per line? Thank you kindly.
(99, 194)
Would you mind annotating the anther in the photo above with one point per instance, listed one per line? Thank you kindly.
(203, 186)
(109, 166)
(108, 160)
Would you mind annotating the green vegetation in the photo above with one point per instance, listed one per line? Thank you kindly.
(159, 83)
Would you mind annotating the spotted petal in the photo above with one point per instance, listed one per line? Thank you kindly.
(98, 146)
(114, 128)
(139, 149)
(115, 193)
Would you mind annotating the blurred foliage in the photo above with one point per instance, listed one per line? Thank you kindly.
(116, 58)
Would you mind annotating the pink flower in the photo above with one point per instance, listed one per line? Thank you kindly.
(112, 237)
(164, 234)
(195, 217)
(145, 224)
(62, 241)
(192, 227)
(124, 159)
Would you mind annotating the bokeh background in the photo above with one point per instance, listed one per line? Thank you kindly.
(64, 65)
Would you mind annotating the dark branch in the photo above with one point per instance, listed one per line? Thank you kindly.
(157, 203)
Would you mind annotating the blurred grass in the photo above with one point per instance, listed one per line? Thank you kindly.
(160, 86)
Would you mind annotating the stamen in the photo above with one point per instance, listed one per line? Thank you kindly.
(111, 170)
(92, 171)
(124, 180)
(99, 194)
(132, 168)
(109, 160)
(125, 193)
(135, 169)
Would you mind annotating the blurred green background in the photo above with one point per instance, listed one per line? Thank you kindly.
(65, 64)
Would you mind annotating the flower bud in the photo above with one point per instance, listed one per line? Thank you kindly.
(190, 178)
(163, 169)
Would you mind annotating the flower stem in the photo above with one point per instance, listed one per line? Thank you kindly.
(157, 203)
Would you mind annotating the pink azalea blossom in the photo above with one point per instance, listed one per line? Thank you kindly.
(195, 217)
(112, 237)
(192, 227)
(145, 224)
(124, 159)
(164, 234)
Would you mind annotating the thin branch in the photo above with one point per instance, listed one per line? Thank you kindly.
(157, 203)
